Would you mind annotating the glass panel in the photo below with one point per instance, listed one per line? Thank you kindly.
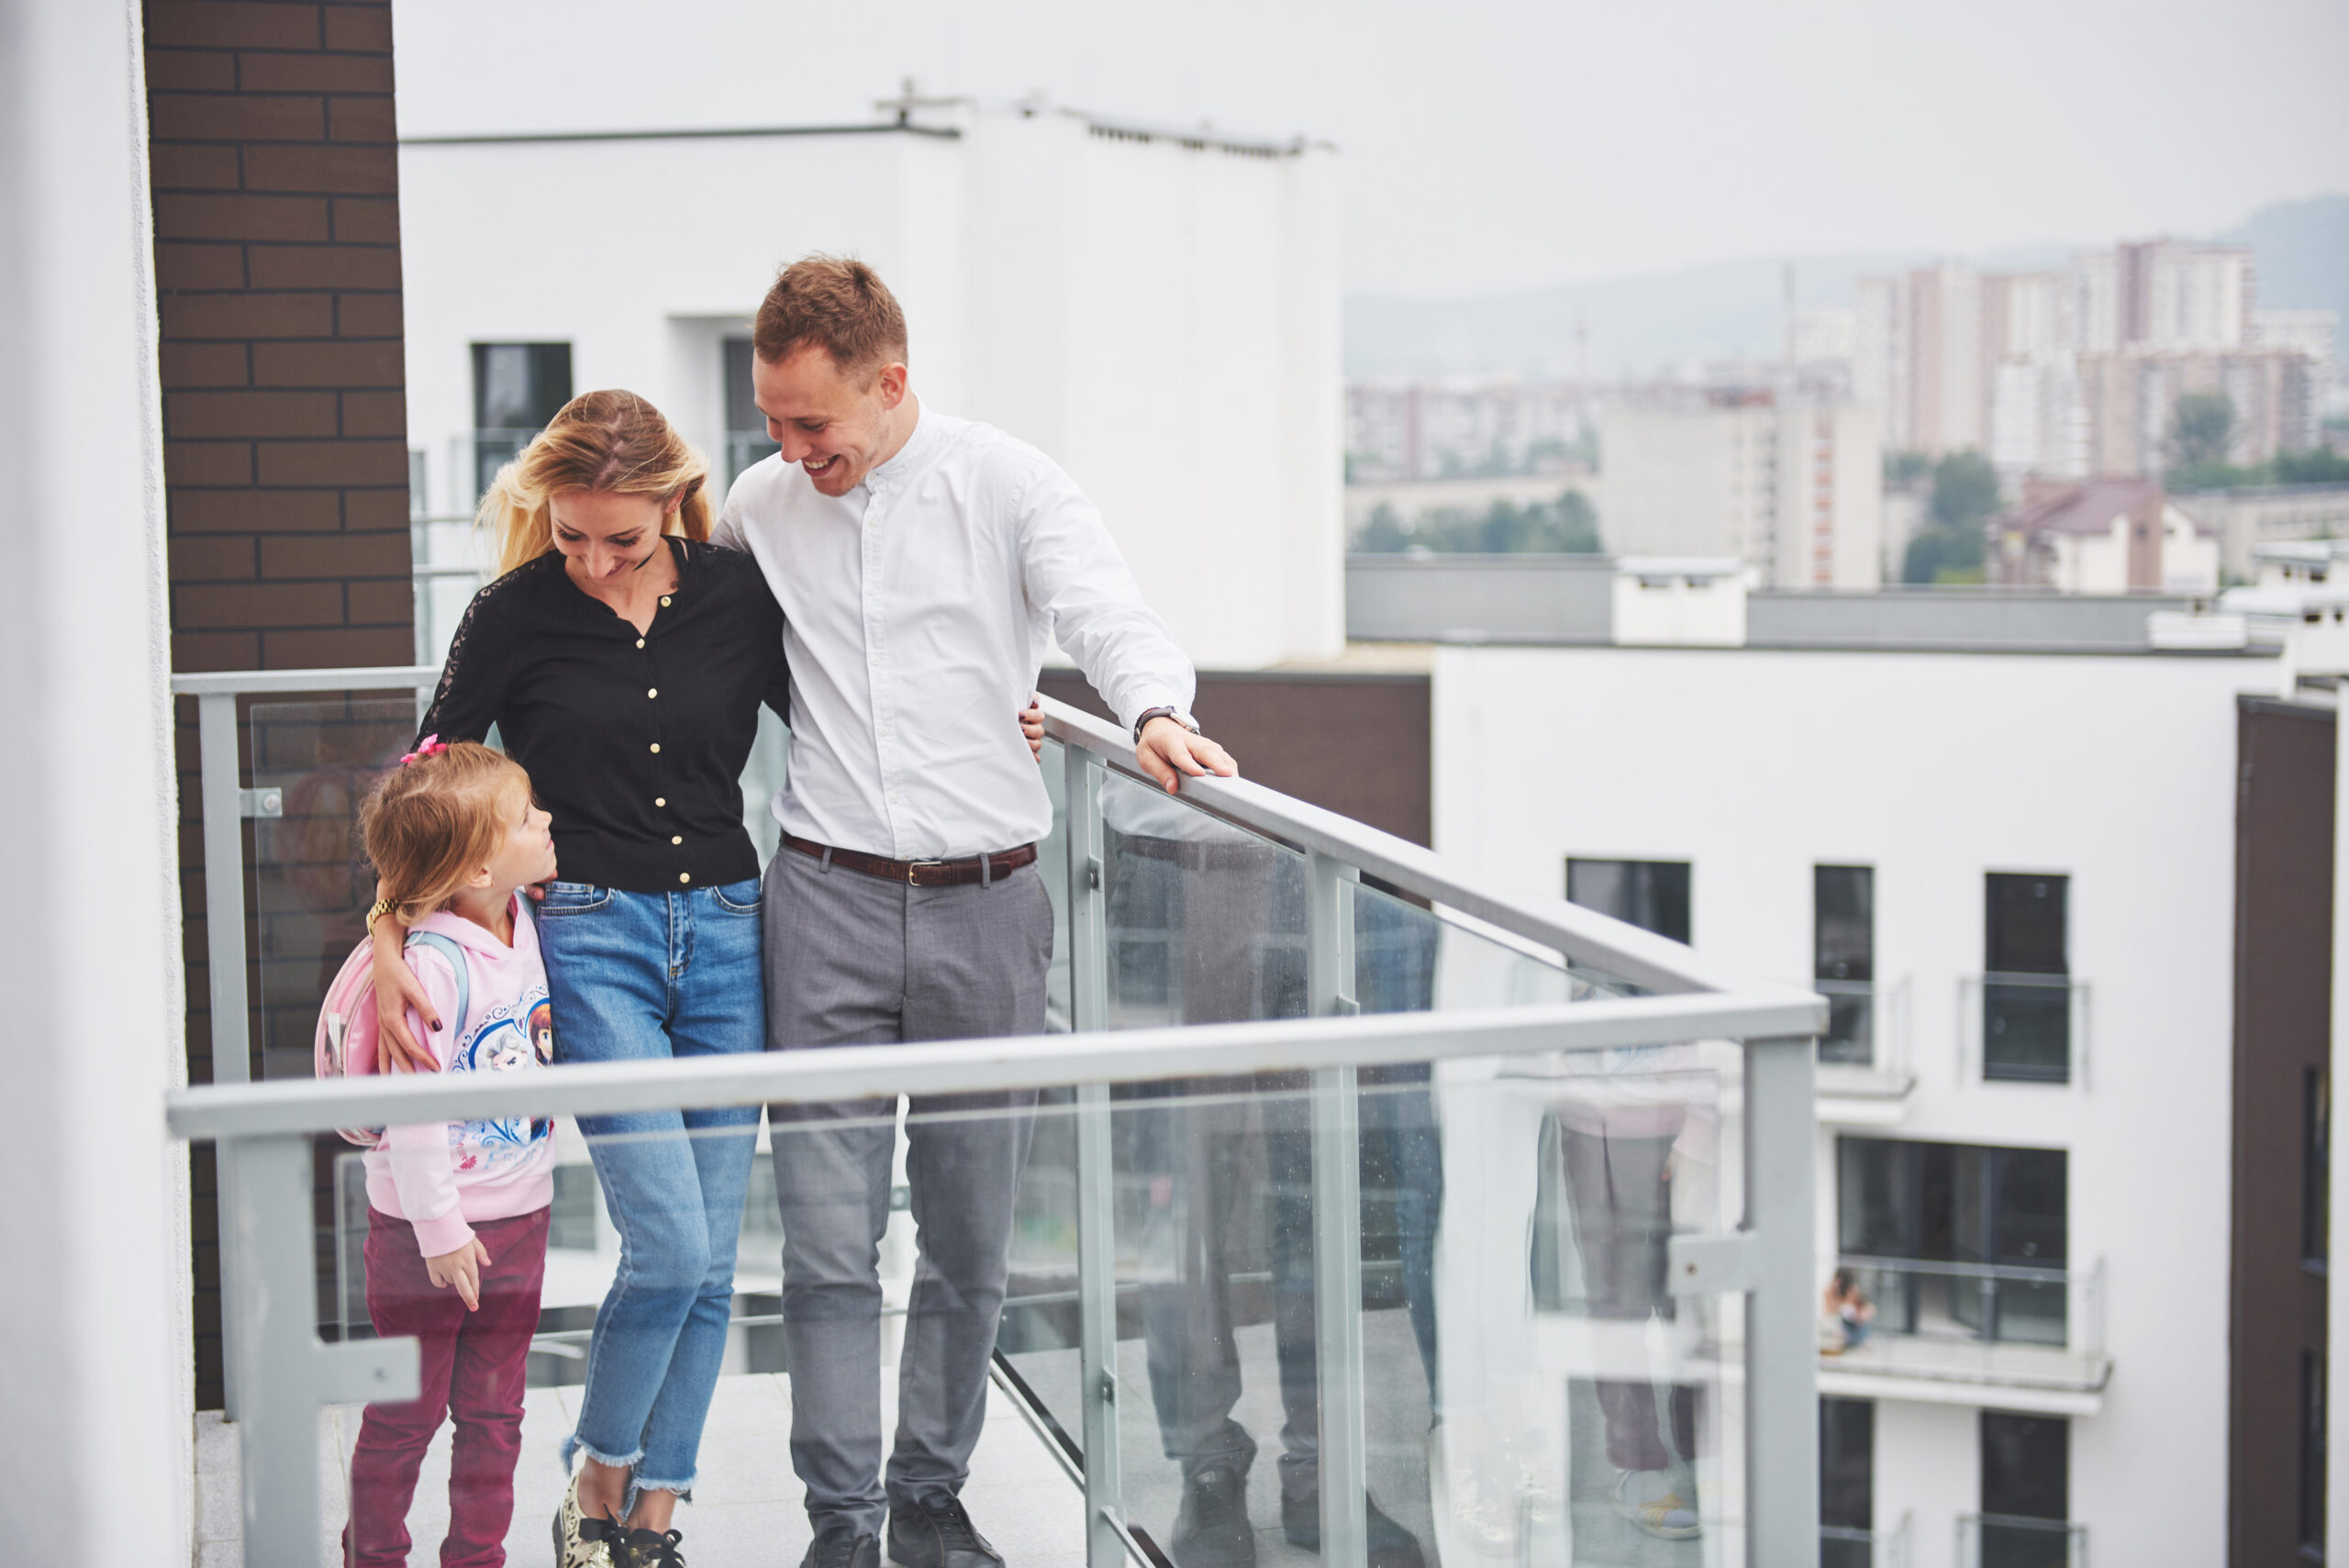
(311, 883)
(2025, 920)
(1529, 1383)
(2026, 1029)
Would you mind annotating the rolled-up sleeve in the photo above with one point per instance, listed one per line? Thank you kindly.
(1074, 574)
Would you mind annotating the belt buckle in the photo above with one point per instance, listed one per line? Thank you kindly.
(913, 868)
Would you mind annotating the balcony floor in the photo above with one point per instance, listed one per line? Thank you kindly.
(748, 1504)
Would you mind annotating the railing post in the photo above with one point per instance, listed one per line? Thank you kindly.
(224, 885)
(1781, 1306)
(1097, 1241)
(1337, 1223)
(283, 1370)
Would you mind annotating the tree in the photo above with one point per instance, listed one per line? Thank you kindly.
(2200, 426)
(1905, 468)
(1383, 534)
(1965, 490)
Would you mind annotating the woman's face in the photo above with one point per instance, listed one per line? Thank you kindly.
(604, 536)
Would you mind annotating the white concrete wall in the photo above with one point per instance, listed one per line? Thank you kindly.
(94, 1328)
(1161, 317)
(2117, 771)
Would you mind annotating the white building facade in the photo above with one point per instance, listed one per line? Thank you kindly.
(1157, 309)
(2034, 1191)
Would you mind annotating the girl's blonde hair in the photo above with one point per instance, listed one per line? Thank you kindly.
(429, 824)
(607, 443)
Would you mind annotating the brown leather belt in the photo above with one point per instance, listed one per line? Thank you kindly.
(919, 873)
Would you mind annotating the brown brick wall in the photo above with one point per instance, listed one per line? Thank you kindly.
(277, 267)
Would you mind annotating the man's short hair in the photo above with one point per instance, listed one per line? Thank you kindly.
(835, 301)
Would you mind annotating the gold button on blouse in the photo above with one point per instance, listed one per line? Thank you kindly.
(660, 800)
(684, 876)
(676, 838)
(639, 642)
(664, 600)
(656, 745)
(652, 691)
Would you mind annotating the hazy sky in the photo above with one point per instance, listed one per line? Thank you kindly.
(1491, 146)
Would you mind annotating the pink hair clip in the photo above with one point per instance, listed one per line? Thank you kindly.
(430, 746)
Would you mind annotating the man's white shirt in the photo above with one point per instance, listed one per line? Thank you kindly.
(917, 612)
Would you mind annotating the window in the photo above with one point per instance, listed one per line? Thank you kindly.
(517, 387)
(1651, 894)
(2026, 994)
(1843, 918)
(2312, 1476)
(2026, 1476)
(1955, 1240)
(2316, 1164)
(746, 427)
(1846, 1482)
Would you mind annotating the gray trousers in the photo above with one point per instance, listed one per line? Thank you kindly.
(852, 960)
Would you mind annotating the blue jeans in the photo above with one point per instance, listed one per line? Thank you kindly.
(635, 977)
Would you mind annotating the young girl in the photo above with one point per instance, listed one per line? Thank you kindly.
(457, 1211)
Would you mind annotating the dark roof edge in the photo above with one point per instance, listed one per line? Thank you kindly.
(884, 127)
(2285, 707)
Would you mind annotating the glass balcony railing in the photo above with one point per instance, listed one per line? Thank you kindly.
(2025, 1029)
(1841, 1547)
(1321, 1164)
(2010, 1324)
(1998, 1540)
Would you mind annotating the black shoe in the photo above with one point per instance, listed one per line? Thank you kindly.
(648, 1548)
(840, 1547)
(1391, 1546)
(1212, 1530)
(936, 1532)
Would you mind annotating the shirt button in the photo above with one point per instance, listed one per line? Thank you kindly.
(660, 800)
(639, 642)
(656, 745)
(665, 601)
(652, 691)
(684, 876)
(676, 839)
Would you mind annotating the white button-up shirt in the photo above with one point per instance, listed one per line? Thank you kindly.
(917, 612)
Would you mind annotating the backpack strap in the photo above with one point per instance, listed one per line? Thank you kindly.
(446, 947)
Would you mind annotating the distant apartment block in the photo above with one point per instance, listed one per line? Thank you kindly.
(2101, 536)
(2076, 371)
(1793, 489)
(1410, 431)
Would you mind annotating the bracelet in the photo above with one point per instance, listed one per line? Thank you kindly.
(375, 911)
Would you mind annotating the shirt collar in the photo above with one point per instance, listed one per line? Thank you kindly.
(885, 475)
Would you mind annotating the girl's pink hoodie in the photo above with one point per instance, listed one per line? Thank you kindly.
(440, 1175)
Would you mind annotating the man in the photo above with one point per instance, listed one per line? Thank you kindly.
(924, 563)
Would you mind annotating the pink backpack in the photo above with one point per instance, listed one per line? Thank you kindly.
(344, 1046)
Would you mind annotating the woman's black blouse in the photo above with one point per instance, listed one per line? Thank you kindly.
(634, 744)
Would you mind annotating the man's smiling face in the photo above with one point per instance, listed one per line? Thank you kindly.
(836, 427)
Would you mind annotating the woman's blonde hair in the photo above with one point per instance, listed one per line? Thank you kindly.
(432, 822)
(607, 443)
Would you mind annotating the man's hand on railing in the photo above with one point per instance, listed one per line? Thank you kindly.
(1168, 752)
(396, 990)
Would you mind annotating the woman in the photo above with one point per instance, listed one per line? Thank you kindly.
(623, 659)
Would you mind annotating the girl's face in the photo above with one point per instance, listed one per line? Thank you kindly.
(602, 537)
(526, 855)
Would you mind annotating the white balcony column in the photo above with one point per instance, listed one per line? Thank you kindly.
(94, 1331)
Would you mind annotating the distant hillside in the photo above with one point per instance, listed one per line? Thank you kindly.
(1644, 324)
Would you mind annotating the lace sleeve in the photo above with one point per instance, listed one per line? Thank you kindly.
(472, 682)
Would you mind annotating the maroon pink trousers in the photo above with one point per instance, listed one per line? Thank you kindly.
(472, 1373)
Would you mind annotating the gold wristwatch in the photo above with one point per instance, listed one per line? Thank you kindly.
(381, 908)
